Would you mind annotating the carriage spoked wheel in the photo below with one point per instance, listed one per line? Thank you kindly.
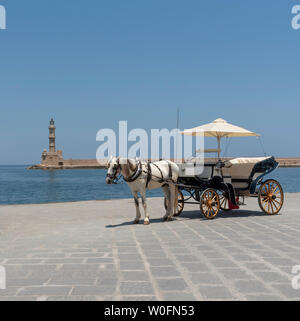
(180, 204)
(210, 203)
(224, 202)
(271, 197)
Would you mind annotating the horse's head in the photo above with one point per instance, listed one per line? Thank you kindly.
(113, 169)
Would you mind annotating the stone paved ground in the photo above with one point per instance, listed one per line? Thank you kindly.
(91, 251)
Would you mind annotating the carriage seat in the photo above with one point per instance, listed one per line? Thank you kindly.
(249, 160)
(241, 170)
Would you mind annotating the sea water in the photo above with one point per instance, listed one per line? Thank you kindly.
(21, 186)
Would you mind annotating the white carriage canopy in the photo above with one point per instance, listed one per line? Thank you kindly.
(219, 128)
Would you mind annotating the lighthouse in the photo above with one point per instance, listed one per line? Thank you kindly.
(52, 136)
(52, 158)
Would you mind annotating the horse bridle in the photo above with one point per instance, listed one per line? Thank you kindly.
(114, 177)
(130, 179)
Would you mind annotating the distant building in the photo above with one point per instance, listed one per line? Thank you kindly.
(53, 157)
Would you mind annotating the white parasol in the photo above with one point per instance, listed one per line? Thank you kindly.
(219, 128)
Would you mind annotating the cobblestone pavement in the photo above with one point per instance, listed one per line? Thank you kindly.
(92, 251)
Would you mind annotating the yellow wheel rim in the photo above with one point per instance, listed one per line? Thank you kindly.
(180, 203)
(210, 203)
(271, 197)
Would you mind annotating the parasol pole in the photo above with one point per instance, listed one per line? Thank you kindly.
(219, 146)
(176, 145)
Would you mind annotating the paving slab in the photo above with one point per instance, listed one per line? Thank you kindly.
(90, 250)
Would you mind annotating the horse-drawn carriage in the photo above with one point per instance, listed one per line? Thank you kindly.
(224, 185)
(216, 186)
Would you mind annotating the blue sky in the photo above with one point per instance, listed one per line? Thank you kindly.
(91, 63)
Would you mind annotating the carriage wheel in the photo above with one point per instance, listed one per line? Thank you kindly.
(224, 202)
(180, 204)
(271, 197)
(210, 203)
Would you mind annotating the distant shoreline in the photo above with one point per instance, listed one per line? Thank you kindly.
(284, 162)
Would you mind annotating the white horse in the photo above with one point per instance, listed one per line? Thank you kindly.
(142, 176)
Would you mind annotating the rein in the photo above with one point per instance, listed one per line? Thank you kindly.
(116, 179)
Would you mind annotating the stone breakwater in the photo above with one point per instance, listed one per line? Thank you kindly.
(74, 164)
(101, 164)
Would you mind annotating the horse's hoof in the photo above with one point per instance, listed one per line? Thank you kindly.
(136, 221)
(146, 223)
(169, 219)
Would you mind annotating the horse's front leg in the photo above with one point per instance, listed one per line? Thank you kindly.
(144, 201)
(137, 207)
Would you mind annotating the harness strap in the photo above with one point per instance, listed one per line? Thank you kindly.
(160, 179)
(170, 172)
(135, 175)
(161, 174)
(149, 174)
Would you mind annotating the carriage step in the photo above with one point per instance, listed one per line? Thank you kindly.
(233, 207)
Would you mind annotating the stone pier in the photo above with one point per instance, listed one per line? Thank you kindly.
(92, 251)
